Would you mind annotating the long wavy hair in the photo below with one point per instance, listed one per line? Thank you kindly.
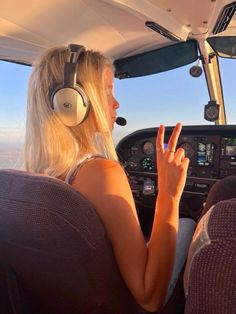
(51, 147)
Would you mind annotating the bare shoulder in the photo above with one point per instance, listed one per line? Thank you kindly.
(104, 183)
(100, 176)
(103, 164)
(106, 164)
(100, 169)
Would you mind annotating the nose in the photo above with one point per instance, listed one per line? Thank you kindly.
(116, 104)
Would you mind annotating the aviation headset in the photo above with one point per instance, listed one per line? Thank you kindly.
(68, 100)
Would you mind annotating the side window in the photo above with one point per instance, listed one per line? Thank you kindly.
(227, 69)
(13, 91)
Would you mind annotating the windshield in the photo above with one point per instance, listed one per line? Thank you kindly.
(149, 101)
(163, 98)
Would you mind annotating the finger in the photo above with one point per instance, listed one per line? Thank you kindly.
(174, 137)
(185, 162)
(160, 139)
(179, 155)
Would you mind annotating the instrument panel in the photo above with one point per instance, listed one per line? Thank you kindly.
(211, 150)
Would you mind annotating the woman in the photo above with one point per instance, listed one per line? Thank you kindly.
(84, 156)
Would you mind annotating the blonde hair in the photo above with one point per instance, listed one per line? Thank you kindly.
(51, 147)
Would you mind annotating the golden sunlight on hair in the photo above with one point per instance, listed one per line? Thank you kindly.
(50, 146)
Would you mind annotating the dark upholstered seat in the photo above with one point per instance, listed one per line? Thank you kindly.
(54, 254)
(210, 274)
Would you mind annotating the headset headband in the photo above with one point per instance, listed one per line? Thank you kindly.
(71, 65)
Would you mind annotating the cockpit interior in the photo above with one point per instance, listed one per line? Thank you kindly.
(143, 38)
(212, 154)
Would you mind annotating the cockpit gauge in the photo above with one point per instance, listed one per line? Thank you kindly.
(148, 164)
(212, 111)
(132, 164)
(201, 147)
(148, 148)
(133, 150)
(195, 71)
(189, 151)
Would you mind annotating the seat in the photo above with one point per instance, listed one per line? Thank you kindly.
(54, 253)
(210, 273)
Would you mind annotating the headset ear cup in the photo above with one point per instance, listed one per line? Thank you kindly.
(70, 105)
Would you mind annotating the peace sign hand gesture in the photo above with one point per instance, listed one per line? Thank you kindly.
(172, 165)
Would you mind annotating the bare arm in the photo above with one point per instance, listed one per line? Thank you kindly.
(146, 269)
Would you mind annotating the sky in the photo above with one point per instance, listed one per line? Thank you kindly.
(165, 98)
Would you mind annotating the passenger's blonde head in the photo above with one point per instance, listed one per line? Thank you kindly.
(51, 147)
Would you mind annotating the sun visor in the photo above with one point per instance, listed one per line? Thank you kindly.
(158, 60)
(224, 46)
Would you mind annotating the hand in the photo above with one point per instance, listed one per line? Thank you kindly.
(172, 165)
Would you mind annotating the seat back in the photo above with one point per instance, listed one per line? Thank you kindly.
(55, 255)
(210, 274)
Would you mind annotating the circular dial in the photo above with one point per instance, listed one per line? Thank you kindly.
(148, 164)
(189, 151)
(211, 113)
(195, 71)
(148, 148)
